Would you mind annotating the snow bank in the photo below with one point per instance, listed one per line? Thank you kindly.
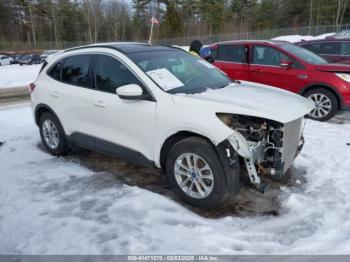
(293, 38)
(323, 36)
(12, 76)
(51, 205)
(186, 48)
(299, 38)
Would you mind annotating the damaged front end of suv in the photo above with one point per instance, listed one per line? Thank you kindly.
(268, 147)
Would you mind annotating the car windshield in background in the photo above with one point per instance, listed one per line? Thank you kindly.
(178, 72)
(304, 54)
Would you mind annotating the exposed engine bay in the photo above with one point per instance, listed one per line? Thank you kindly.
(265, 142)
(256, 129)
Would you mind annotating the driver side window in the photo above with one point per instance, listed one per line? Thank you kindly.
(265, 55)
(269, 56)
(111, 74)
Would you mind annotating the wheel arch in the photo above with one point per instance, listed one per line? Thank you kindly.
(173, 139)
(230, 167)
(40, 109)
(326, 87)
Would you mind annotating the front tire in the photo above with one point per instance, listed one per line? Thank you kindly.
(196, 173)
(326, 104)
(52, 134)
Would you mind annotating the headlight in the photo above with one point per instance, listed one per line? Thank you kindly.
(345, 77)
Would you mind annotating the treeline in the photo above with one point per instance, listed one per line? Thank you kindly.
(56, 21)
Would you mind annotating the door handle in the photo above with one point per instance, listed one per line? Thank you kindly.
(303, 76)
(100, 104)
(55, 94)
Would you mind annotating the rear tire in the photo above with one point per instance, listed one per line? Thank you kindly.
(326, 103)
(52, 134)
(196, 173)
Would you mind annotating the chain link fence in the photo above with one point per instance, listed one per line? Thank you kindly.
(185, 41)
(40, 45)
(257, 35)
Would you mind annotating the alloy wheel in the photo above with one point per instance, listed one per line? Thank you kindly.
(323, 105)
(193, 175)
(50, 134)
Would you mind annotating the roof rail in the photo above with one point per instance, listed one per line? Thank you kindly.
(105, 45)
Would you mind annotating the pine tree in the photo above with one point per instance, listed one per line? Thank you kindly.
(171, 26)
(212, 12)
(140, 18)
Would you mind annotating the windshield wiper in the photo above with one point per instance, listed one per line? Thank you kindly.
(219, 87)
(225, 85)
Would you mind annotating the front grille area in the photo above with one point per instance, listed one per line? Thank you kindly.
(291, 138)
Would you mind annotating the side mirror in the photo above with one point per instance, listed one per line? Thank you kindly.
(286, 64)
(210, 59)
(130, 92)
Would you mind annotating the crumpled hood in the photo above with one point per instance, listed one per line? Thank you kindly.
(333, 68)
(251, 99)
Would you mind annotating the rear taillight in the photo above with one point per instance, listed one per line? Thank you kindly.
(31, 87)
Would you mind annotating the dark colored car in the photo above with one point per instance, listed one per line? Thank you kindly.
(332, 49)
(340, 35)
(30, 59)
(289, 67)
(16, 58)
(47, 53)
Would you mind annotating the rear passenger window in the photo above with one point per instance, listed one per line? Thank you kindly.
(111, 74)
(345, 48)
(55, 72)
(231, 53)
(330, 48)
(316, 48)
(75, 71)
(43, 66)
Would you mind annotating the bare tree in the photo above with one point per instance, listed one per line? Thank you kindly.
(53, 20)
(311, 11)
(117, 17)
(311, 15)
(342, 6)
(92, 10)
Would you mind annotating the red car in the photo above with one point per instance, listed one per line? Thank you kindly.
(332, 49)
(289, 67)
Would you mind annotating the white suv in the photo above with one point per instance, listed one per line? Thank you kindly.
(5, 60)
(160, 106)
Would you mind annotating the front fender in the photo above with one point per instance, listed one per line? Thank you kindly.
(196, 131)
(238, 142)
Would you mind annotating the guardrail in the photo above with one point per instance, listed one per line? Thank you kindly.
(14, 92)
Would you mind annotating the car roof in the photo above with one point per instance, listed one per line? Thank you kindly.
(126, 47)
(324, 40)
(270, 42)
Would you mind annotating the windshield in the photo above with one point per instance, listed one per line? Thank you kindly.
(304, 54)
(176, 71)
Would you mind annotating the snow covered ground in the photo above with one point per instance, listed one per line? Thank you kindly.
(51, 205)
(299, 38)
(13, 76)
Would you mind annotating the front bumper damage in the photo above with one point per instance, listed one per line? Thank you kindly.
(254, 153)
